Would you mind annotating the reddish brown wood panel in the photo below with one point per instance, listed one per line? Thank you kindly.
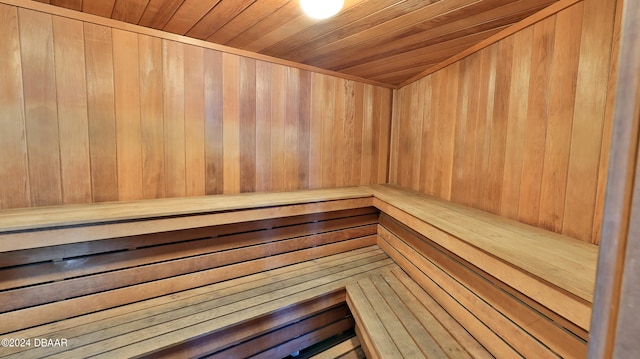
(103, 114)
(510, 129)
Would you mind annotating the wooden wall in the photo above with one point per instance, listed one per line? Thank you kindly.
(519, 128)
(91, 113)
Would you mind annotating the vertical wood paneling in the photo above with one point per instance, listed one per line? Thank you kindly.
(328, 98)
(231, 122)
(73, 123)
(291, 129)
(101, 112)
(278, 113)
(127, 105)
(536, 126)
(500, 120)
(523, 120)
(213, 122)
(382, 128)
(588, 120)
(147, 117)
(315, 142)
(304, 128)
(174, 127)
(263, 126)
(558, 138)
(194, 120)
(247, 125)
(518, 101)
(13, 140)
(41, 108)
(367, 135)
(152, 117)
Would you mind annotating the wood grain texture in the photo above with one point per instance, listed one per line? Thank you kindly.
(101, 112)
(524, 142)
(13, 166)
(41, 108)
(142, 117)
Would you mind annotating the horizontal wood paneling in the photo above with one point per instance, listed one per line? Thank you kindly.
(111, 114)
(516, 128)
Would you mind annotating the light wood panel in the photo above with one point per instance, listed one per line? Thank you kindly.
(520, 140)
(111, 114)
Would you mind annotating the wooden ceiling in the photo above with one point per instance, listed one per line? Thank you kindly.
(387, 41)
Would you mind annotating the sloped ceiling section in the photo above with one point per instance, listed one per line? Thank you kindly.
(387, 41)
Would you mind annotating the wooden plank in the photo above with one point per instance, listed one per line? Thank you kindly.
(415, 333)
(261, 325)
(337, 351)
(152, 117)
(588, 119)
(100, 8)
(263, 126)
(129, 11)
(14, 191)
(499, 125)
(215, 19)
(536, 120)
(366, 317)
(292, 95)
(518, 101)
(248, 123)
(73, 127)
(158, 12)
(558, 138)
(338, 148)
(41, 109)
(437, 312)
(315, 129)
(368, 146)
(213, 126)
(188, 14)
(173, 98)
(194, 120)
(127, 109)
(304, 130)
(101, 112)
(278, 113)
(444, 173)
(382, 116)
(328, 123)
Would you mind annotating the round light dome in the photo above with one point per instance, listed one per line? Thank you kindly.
(321, 9)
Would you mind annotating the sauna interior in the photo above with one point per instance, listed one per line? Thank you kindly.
(235, 179)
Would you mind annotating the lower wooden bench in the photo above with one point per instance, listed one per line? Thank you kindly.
(396, 318)
(215, 319)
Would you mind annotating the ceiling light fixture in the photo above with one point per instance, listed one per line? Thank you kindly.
(321, 9)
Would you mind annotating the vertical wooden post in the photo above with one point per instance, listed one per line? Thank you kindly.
(614, 325)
